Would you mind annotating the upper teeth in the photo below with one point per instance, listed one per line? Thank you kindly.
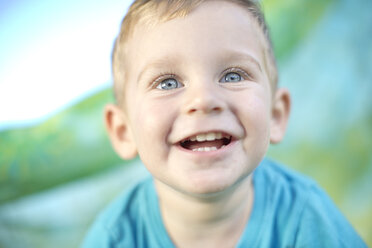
(206, 136)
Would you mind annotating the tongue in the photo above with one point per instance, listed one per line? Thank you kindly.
(195, 144)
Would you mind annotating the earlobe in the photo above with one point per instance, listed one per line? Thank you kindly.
(119, 131)
(280, 115)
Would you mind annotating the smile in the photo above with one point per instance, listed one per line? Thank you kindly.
(206, 142)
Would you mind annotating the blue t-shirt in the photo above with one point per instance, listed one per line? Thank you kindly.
(289, 210)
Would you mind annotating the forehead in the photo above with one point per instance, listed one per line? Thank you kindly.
(215, 28)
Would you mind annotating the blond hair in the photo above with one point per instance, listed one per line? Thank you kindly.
(151, 12)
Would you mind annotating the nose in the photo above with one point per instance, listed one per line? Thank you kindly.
(203, 98)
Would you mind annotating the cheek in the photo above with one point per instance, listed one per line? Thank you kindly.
(256, 107)
(152, 125)
(256, 121)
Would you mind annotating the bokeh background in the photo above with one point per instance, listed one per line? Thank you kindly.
(57, 168)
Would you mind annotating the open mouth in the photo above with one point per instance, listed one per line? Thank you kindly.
(206, 142)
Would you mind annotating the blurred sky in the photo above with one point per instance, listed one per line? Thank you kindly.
(52, 53)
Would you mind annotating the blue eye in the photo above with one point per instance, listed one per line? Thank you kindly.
(231, 77)
(169, 84)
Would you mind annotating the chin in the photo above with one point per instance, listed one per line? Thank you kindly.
(204, 187)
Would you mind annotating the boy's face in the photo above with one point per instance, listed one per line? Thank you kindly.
(199, 75)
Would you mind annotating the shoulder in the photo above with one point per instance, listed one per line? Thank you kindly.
(286, 189)
(118, 223)
(272, 171)
(323, 224)
(305, 214)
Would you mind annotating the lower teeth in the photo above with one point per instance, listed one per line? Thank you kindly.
(206, 149)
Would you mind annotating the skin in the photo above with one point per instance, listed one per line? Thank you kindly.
(205, 197)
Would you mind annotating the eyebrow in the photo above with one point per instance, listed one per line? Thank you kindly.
(172, 61)
(156, 64)
(241, 56)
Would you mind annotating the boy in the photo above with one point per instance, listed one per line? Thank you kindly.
(197, 99)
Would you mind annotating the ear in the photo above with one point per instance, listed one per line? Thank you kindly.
(280, 115)
(119, 131)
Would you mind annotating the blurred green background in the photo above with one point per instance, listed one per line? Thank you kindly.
(57, 175)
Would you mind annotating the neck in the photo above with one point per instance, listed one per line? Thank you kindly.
(212, 221)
